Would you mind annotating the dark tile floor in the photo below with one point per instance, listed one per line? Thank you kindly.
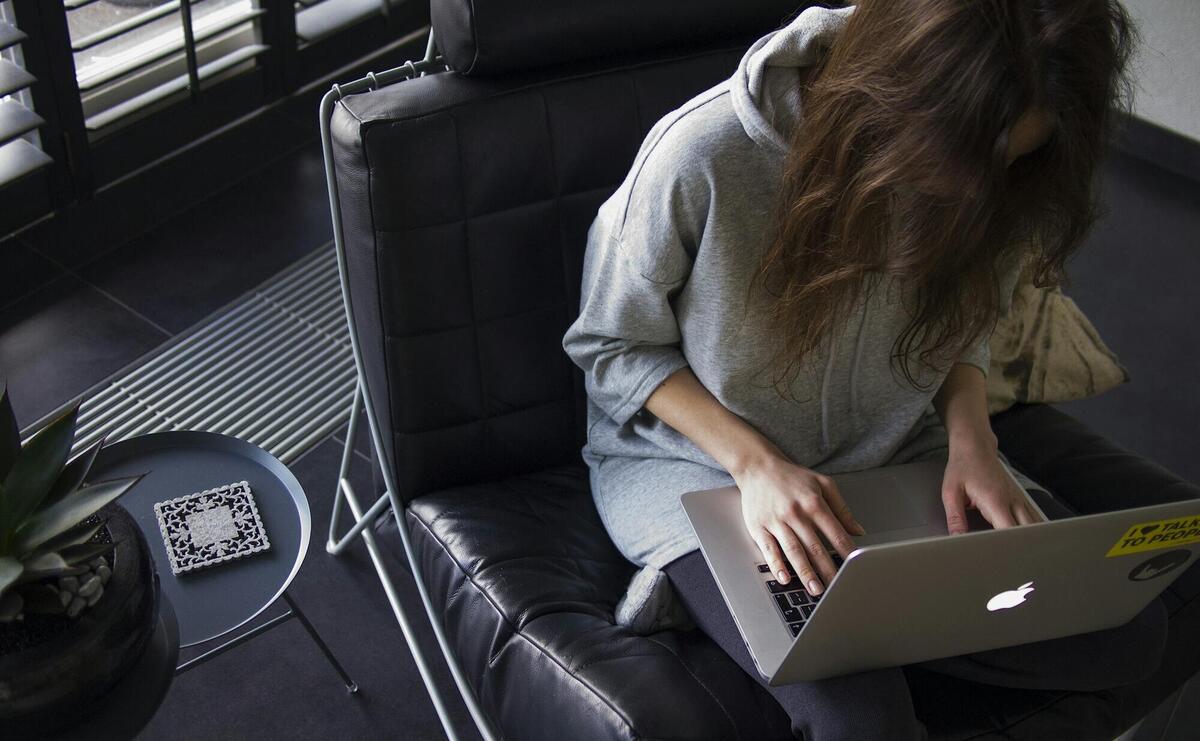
(67, 324)
(62, 338)
(199, 261)
(26, 270)
(64, 326)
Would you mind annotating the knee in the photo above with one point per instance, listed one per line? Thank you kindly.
(1133, 651)
(868, 721)
(860, 707)
(856, 730)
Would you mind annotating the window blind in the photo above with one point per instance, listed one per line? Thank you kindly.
(20, 150)
(129, 58)
(317, 19)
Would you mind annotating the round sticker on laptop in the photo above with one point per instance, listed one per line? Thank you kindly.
(1163, 563)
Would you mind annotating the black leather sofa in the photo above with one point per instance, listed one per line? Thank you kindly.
(465, 200)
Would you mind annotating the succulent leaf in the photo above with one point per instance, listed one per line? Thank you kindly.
(10, 571)
(10, 434)
(62, 516)
(84, 552)
(43, 565)
(81, 533)
(37, 466)
(73, 475)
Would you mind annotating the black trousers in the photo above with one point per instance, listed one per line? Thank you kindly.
(877, 704)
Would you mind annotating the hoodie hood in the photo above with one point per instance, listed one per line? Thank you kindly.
(766, 93)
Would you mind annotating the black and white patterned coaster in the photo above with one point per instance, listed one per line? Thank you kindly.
(211, 526)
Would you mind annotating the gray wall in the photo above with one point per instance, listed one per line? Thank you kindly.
(1167, 67)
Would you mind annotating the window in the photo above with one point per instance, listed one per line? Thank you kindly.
(125, 86)
(20, 144)
(133, 54)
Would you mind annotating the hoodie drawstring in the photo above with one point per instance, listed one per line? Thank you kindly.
(858, 349)
(825, 444)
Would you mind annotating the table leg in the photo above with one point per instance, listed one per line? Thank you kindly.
(213, 653)
(351, 686)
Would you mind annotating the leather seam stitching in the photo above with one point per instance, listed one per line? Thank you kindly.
(362, 380)
(518, 632)
(564, 270)
(466, 221)
(569, 78)
(479, 420)
(455, 328)
(408, 231)
(573, 560)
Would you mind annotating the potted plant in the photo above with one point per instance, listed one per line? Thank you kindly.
(78, 591)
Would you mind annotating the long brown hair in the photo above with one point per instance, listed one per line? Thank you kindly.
(898, 166)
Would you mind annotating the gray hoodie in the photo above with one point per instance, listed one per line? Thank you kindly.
(668, 263)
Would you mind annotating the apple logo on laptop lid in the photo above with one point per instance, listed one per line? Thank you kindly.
(1010, 598)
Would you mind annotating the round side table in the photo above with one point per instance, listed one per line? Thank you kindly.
(216, 600)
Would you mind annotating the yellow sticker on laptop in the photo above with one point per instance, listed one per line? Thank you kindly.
(1149, 536)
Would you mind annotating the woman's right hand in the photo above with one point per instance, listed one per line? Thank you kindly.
(786, 508)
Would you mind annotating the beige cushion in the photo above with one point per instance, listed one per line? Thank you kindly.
(1045, 350)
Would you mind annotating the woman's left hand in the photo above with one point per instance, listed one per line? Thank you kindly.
(976, 478)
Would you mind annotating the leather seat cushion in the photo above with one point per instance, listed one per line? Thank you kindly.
(527, 581)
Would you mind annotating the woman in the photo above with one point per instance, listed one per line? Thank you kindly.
(799, 276)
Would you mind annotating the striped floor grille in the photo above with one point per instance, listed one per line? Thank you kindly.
(274, 368)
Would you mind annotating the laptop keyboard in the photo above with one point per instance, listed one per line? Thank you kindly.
(792, 601)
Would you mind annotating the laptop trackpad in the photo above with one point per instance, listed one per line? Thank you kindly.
(893, 508)
(900, 502)
(886, 510)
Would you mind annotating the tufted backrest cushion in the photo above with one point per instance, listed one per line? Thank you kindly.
(466, 205)
(490, 37)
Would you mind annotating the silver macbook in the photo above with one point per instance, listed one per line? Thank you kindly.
(911, 593)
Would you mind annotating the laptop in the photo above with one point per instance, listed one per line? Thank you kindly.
(910, 593)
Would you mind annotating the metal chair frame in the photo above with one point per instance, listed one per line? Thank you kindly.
(363, 520)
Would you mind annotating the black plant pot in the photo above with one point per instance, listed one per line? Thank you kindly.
(50, 685)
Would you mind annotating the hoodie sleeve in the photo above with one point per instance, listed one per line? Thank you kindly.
(639, 255)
